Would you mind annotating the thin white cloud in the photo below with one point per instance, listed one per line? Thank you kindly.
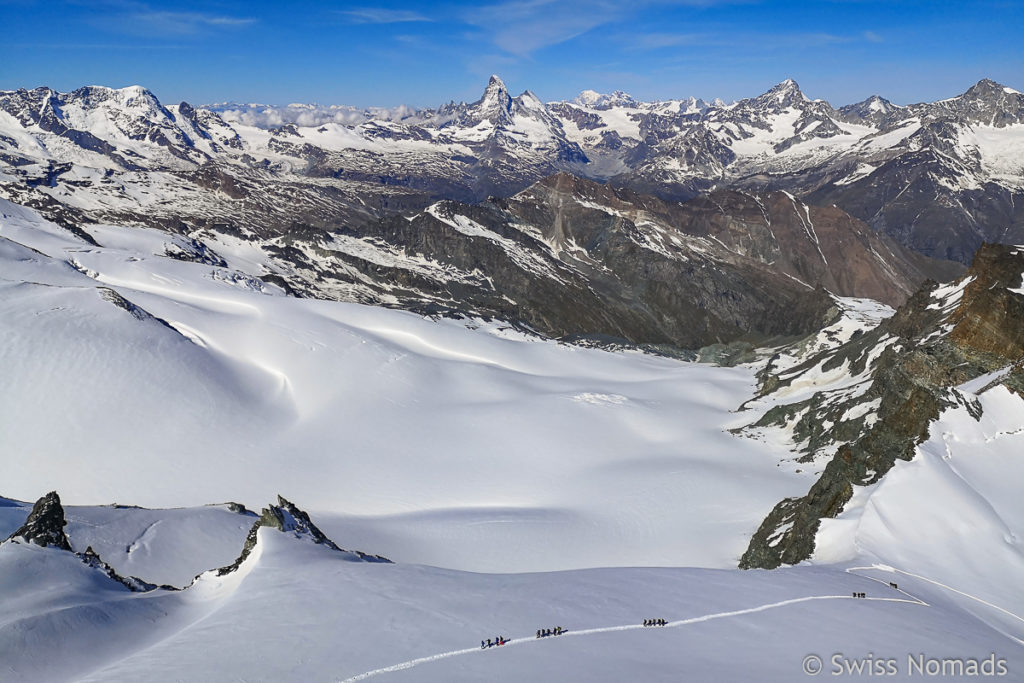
(521, 27)
(185, 23)
(873, 37)
(377, 15)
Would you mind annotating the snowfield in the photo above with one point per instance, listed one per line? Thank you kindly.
(516, 483)
(480, 449)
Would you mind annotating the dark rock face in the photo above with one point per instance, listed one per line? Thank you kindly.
(927, 348)
(45, 524)
(575, 259)
(729, 253)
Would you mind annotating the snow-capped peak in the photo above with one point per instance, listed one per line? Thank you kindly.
(781, 96)
(133, 96)
(878, 104)
(786, 92)
(530, 100)
(495, 102)
(588, 98)
(495, 86)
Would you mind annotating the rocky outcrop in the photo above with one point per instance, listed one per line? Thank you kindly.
(912, 363)
(287, 518)
(45, 524)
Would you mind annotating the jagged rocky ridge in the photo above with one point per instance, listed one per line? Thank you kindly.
(45, 527)
(286, 517)
(896, 380)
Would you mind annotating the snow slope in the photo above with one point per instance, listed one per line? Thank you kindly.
(296, 611)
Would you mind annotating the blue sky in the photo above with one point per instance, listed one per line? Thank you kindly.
(389, 53)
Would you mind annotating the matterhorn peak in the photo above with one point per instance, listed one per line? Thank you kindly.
(496, 85)
(495, 105)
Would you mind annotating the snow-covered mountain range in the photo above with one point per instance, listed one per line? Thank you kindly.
(938, 177)
(323, 202)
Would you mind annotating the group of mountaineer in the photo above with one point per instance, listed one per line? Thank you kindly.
(500, 640)
(558, 630)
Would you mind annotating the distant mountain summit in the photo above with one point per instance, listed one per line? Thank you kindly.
(871, 111)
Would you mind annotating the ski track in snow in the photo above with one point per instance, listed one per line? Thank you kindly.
(910, 599)
(632, 627)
